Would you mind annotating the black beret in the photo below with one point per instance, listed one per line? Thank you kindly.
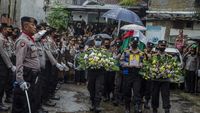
(98, 38)
(28, 19)
(150, 44)
(135, 39)
(162, 42)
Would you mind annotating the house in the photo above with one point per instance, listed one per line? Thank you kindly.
(173, 15)
(91, 10)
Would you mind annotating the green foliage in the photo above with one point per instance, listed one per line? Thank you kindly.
(129, 2)
(58, 17)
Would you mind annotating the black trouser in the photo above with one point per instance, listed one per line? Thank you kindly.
(95, 86)
(163, 87)
(118, 86)
(146, 89)
(40, 89)
(109, 79)
(53, 80)
(19, 100)
(190, 81)
(80, 76)
(132, 81)
(4, 73)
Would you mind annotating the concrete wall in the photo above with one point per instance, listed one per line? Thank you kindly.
(163, 23)
(33, 8)
(4, 6)
(76, 16)
(172, 5)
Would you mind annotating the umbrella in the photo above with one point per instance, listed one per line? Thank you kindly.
(103, 35)
(133, 27)
(122, 14)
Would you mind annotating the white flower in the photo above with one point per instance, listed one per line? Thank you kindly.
(86, 56)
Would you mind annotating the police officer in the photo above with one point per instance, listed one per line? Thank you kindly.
(6, 66)
(44, 55)
(118, 77)
(161, 86)
(79, 74)
(53, 48)
(146, 85)
(95, 81)
(28, 67)
(131, 61)
(109, 76)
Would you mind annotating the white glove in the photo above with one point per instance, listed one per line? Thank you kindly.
(65, 67)
(13, 68)
(41, 33)
(60, 67)
(24, 86)
(62, 50)
(70, 64)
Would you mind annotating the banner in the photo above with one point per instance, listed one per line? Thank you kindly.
(155, 33)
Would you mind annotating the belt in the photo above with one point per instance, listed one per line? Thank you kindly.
(32, 69)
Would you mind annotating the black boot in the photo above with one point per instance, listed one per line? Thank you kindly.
(155, 110)
(97, 108)
(167, 111)
(138, 108)
(92, 107)
(3, 108)
(146, 104)
(127, 108)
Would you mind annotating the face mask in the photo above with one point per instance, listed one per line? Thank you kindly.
(107, 46)
(162, 49)
(97, 43)
(134, 46)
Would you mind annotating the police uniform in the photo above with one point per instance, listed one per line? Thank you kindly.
(161, 86)
(79, 74)
(27, 71)
(147, 84)
(109, 79)
(131, 61)
(50, 63)
(5, 68)
(95, 87)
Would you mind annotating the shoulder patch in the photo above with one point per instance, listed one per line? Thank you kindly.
(22, 44)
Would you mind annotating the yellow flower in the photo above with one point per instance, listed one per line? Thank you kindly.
(154, 62)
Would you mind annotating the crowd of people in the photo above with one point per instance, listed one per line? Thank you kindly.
(38, 58)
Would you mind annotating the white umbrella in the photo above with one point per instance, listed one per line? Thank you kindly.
(133, 27)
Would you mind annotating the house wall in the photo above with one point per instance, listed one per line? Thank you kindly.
(172, 5)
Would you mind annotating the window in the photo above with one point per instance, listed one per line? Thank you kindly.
(178, 24)
(189, 24)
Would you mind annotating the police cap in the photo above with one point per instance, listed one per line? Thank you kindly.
(98, 38)
(150, 44)
(135, 39)
(28, 19)
(162, 42)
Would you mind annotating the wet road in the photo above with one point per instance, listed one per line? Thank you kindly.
(75, 99)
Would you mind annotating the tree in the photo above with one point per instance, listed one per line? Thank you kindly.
(129, 2)
(58, 17)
